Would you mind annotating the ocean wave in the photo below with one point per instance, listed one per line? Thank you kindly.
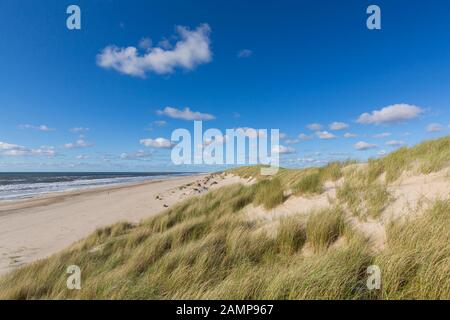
(13, 187)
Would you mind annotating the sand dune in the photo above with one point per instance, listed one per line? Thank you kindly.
(36, 228)
(411, 195)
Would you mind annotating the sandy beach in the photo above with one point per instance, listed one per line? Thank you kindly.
(36, 228)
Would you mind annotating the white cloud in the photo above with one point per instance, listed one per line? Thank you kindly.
(243, 131)
(325, 135)
(250, 132)
(9, 149)
(44, 151)
(381, 152)
(434, 127)
(282, 149)
(395, 143)
(82, 157)
(7, 146)
(165, 44)
(304, 137)
(283, 136)
(145, 43)
(41, 127)
(390, 114)
(350, 135)
(382, 135)
(79, 130)
(338, 126)
(80, 143)
(361, 145)
(140, 154)
(245, 53)
(160, 123)
(307, 160)
(192, 49)
(291, 141)
(185, 114)
(314, 126)
(156, 143)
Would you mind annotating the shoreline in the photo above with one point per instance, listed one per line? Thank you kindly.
(10, 206)
(33, 229)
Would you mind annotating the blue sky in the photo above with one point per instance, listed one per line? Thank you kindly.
(76, 100)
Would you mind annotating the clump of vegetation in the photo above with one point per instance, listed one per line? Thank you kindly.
(302, 181)
(325, 227)
(248, 171)
(333, 170)
(337, 273)
(363, 196)
(427, 157)
(416, 262)
(309, 184)
(269, 193)
(291, 235)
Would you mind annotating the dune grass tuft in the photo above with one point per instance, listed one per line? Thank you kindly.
(325, 227)
(309, 184)
(269, 193)
(291, 235)
(426, 157)
(362, 195)
(416, 262)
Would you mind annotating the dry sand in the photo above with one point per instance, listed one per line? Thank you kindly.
(36, 228)
(411, 194)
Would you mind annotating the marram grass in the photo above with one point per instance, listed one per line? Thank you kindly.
(205, 254)
(206, 247)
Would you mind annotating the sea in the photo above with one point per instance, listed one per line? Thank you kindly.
(15, 185)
